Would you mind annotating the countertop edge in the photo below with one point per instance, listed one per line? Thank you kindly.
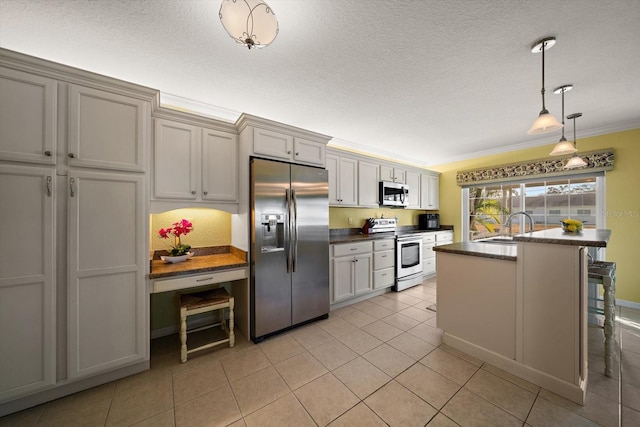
(481, 250)
(154, 276)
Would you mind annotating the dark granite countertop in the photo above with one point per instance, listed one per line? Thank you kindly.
(505, 252)
(350, 235)
(555, 236)
(201, 262)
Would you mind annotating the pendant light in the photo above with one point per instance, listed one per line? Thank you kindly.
(575, 161)
(249, 22)
(563, 146)
(545, 122)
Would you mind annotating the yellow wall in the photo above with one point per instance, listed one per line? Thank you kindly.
(339, 217)
(210, 228)
(622, 200)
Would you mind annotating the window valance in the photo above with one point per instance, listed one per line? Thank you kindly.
(599, 160)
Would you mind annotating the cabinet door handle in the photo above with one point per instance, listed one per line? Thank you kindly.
(204, 279)
(383, 256)
(193, 191)
(354, 249)
(297, 154)
(206, 192)
(384, 274)
(47, 153)
(289, 152)
(71, 191)
(71, 155)
(49, 186)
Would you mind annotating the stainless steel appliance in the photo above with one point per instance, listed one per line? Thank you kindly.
(393, 194)
(429, 221)
(379, 225)
(408, 261)
(289, 246)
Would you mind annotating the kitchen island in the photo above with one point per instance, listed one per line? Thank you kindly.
(521, 305)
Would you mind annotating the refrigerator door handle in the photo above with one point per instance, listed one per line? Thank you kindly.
(294, 256)
(287, 245)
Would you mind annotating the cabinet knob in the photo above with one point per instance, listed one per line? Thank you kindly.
(297, 154)
(193, 191)
(71, 155)
(47, 153)
(288, 152)
(206, 192)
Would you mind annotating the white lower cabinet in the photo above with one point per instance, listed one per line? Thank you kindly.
(351, 270)
(384, 263)
(27, 280)
(106, 301)
(429, 240)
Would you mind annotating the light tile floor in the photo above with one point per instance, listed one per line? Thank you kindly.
(374, 363)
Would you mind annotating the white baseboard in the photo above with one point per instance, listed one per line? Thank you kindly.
(628, 304)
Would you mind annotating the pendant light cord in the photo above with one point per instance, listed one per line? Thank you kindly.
(544, 109)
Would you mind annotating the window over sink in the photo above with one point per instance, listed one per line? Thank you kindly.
(487, 207)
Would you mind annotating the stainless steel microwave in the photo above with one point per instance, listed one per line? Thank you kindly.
(393, 194)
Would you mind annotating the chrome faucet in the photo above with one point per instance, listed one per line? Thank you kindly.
(508, 222)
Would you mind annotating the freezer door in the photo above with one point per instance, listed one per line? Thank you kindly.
(310, 248)
(270, 280)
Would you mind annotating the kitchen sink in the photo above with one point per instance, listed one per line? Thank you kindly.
(503, 240)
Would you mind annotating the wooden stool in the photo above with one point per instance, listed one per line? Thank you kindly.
(202, 302)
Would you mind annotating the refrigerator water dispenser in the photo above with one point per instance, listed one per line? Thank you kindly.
(272, 232)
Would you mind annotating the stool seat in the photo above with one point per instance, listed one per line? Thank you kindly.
(203, 302)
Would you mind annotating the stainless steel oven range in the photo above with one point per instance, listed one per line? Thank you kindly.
(408, 261)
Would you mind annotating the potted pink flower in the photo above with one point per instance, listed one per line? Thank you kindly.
(178, 229)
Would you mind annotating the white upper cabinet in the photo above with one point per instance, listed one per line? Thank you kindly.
(175, 160)
(193, 162)
(28, 117)
(272, 144)
(219, 166)
(268, 139)
(286, 147)
(107, 130)
(343, 180)
(368, 184)
(429, 192)
(393, 174)
(413, 181)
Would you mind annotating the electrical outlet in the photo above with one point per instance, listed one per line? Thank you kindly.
(350, 221)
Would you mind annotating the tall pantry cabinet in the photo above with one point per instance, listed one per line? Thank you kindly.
(74, 213)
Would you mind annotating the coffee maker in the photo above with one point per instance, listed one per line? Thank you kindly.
(429, 221)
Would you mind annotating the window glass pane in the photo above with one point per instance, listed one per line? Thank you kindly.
(547, 202)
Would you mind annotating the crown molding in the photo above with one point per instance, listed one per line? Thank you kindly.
(192, 106)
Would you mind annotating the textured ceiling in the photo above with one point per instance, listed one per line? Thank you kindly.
(425, 82)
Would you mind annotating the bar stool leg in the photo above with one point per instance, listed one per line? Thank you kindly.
(232, 336)
(609, 323)
(183, 334)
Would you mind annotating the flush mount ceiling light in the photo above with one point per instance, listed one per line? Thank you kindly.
(545, 122)
(563, 146)
(575, 161)
(249, 22)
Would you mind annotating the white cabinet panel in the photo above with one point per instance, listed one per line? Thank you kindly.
(305, 151)
(106, 302)
(368, 184)
(107, 130)
(272, 144)
(219, 166)
(413, 181)
(383, 259)
(429, 192)
(343, 184)
(175, 160)
(27, 280)
(28, 114)
(363, 277)
(342, 278)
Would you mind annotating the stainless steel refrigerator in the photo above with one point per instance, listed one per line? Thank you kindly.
(289, 246)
